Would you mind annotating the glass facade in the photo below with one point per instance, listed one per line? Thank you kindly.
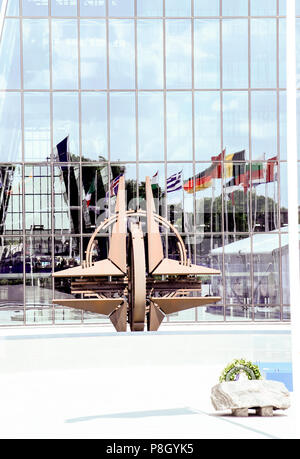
(93, 89)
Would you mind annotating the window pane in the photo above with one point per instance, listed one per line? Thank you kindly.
(207, 125)
(10, 127)
(234, 7)
(263, 53)
(151, 120)
(121, 8)
(94, 126)
(265, 8)
(264, 196)
(179, 126)
(264, 124)
(121, 54)
(65, 120)
(122, 127)
(150, 54)
(282, 52)
(10, 55)
(37, 126)
(149, 7)
(62, 8)
(38, 203)
(178, 49)
(11, 275)
(178, 7)
(93, 54)
(35, 7)
(282, 125)
(235, 121)
(205, 8)
(64, 54)
(235, 53)
(207, 54)
(298, 52)
(282, 7)
(11, 202)
(180, 204)
(12, 8)
(92, 8)
(36, 54)
(66, 199)
(97, 210)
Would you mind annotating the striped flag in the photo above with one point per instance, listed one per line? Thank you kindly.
(114, 185)
(88, 196)
(174, 183)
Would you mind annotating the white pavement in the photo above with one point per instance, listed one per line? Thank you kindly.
(90, 382)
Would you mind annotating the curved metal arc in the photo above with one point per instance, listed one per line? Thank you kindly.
(132, 213)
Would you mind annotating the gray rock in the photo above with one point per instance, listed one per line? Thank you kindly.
(239, 396)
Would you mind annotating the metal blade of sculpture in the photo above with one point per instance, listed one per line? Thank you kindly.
(131, 286)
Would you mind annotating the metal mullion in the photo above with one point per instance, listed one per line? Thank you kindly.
(51, 160)
(108, 106)
(136, 102)
(80, 138)
(251, 229)
(23, 163)
(194, 245)
(278, 166)
(222, 148)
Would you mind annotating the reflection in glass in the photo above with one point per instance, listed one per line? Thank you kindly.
(282, 124)
(263, 53)
(10, 55)
(10, 127)
(150, 54)
(207, 125)
(38, 199)
(179, 125)
(65, 120)
(37, 126)
(12, 8)
(34, 7)
(235, 53)
(156, 172)
(205, 8)
(11, 203)
(121, 54)
(180, 203)
(178, 7)
(59, 8)
(207, 54)
(238, 296)
(94, 126)
(122, 127)
(93, 54)
(151, 120)
(178, 49)
(265, 8)
(283, 197)
(36, 54)
(282, 53)
(11, 276)
(234, 7)
(67, 199)
(149, 8)
(95, 182)
(265, 197)
(235, 121)
(121, 8)
(64, 54)
(264, 124)
(92, 8)
(282, 7)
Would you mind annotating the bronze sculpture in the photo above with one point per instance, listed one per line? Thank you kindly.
(135, 287)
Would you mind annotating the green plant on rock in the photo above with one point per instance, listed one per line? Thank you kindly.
(232, 371)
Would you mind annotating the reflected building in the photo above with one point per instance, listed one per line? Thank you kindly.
(189, 92)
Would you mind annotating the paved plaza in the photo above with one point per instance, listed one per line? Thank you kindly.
(90, 382)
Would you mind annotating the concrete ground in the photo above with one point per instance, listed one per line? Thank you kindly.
(90, 382)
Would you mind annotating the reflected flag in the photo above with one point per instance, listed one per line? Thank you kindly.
(60, 152)
(154, 181)
(114, 185)
(88, 196)
(174, 182)
(271, 170)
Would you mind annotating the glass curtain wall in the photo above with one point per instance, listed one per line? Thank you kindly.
(192, 89)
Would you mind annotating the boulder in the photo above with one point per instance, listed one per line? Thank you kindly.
(239, 396)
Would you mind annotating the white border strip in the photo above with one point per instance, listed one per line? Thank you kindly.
(2, 16)
(292, 169)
